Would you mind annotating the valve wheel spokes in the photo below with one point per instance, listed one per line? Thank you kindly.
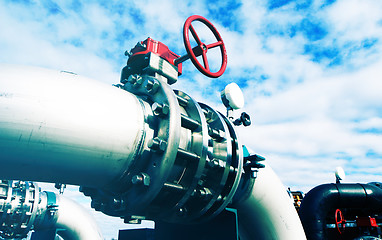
(340, 221)
(201, 49)
(195, 35)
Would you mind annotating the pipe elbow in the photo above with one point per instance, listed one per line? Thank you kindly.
(323, 199)
(74, 222)
(268, 212)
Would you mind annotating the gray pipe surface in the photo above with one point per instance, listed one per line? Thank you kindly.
(60, 127)
(74, 222)
(268, 213)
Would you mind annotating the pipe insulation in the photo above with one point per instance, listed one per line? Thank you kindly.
(324, 199)
(60, 127)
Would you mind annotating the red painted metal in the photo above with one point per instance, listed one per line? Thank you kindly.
(340, 221)
(202, 48)
(366, 222)
(158, 48)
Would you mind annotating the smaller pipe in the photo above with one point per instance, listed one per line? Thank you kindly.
(74, 222)
(322, 199)
(268, 212)
(23, 207)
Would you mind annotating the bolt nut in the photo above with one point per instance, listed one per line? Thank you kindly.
(141, 44)
(157, 144)
(131, 79)
(141, 178)
(128, 53)
(135, 79)
(152, 86)
(160, 110)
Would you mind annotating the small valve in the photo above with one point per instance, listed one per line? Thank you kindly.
(252, 163)
(244, 119)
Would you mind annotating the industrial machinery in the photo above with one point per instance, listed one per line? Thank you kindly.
(139, 149)
(343, 211)
(23, 207)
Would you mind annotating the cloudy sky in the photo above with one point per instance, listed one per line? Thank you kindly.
(310, 70)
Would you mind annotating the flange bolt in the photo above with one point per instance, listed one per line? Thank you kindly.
(141, 178)
(160, 109)
(157, 144)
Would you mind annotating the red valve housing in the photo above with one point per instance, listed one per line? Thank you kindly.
(158, 48)
(366, 222)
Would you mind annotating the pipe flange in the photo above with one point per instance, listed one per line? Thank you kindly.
(160, 149)
(226, 161)
(18, 201)
(188, 163)
(154, 158)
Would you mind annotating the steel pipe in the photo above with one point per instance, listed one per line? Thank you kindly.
(268, 212)
(23, 208)
(74, 222)
(123, 145)
(60, 127)
(139, 151)
(323, 199)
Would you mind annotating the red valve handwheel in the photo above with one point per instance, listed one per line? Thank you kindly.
(202, 48)
(340, 221)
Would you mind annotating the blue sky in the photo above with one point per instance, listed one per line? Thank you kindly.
(310, 70)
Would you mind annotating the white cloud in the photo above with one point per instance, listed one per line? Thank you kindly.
(355, 19)
(308, 116)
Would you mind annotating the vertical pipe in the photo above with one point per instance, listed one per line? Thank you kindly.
(268, 213)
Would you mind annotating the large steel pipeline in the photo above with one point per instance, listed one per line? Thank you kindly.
(139, 151)
(125, 150)
(60, 127)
